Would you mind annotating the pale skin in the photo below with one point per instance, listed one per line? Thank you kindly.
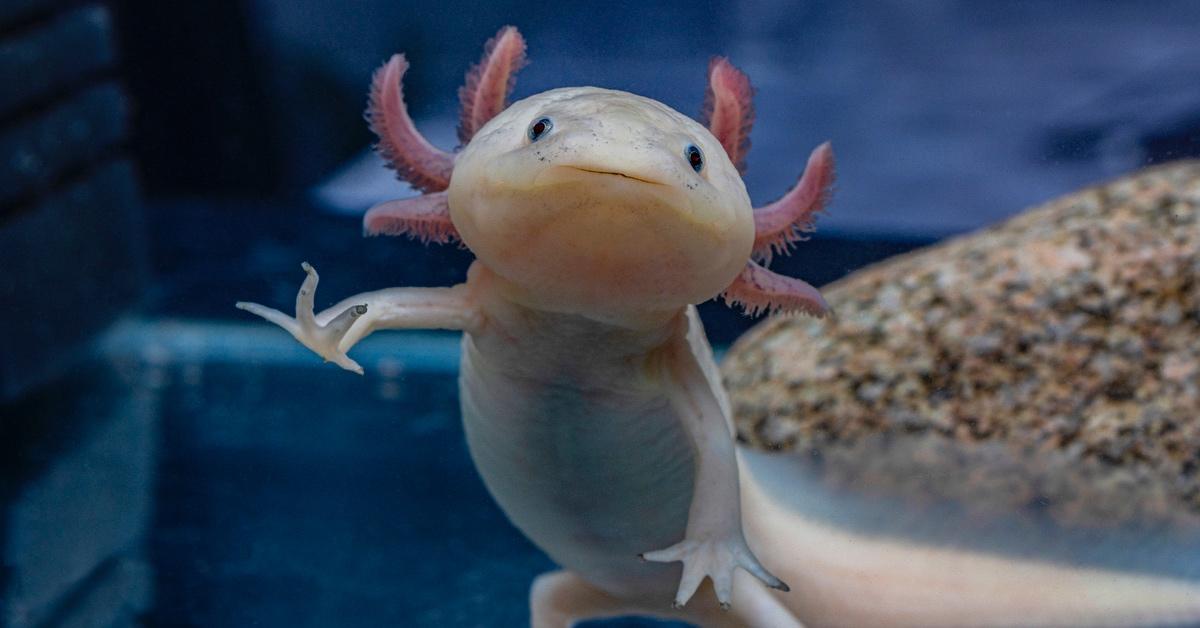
(590, 397)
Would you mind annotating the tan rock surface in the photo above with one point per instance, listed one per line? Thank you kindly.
(1050, 363)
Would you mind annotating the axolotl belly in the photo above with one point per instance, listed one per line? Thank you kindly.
(586, 456)
(591, 402)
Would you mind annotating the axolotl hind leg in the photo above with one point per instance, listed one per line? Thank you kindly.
(560, 599)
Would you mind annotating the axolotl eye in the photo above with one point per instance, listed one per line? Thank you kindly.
(694, 157)
(539, 128)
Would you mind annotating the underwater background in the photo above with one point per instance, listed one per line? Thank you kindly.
(168, 461)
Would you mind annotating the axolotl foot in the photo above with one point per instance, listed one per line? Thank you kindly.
(325, 340)
(716, 558)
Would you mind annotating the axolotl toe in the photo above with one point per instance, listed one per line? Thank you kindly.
(590, 397)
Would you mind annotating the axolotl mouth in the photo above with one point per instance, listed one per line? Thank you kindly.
(613, 173)
(562, 173)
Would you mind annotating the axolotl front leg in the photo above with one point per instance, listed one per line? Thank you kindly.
(331, 333)
(713, 544)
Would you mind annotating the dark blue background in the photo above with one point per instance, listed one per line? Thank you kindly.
(945, 116)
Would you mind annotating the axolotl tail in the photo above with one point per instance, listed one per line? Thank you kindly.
(852, 575)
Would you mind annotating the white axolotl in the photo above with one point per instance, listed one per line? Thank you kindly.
(590, 398)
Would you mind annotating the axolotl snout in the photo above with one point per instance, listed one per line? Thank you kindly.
(590, 398)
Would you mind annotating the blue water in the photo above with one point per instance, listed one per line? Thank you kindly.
(291, 493)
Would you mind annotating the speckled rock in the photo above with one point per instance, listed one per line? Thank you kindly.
(1050, 363)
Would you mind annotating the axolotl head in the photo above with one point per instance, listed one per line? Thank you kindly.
(595, 201)
(591, 199)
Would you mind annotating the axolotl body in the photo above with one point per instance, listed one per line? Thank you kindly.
(590, 398)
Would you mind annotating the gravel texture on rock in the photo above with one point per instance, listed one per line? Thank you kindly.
(1050, 363)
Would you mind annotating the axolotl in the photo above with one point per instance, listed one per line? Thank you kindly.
(590, 397)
